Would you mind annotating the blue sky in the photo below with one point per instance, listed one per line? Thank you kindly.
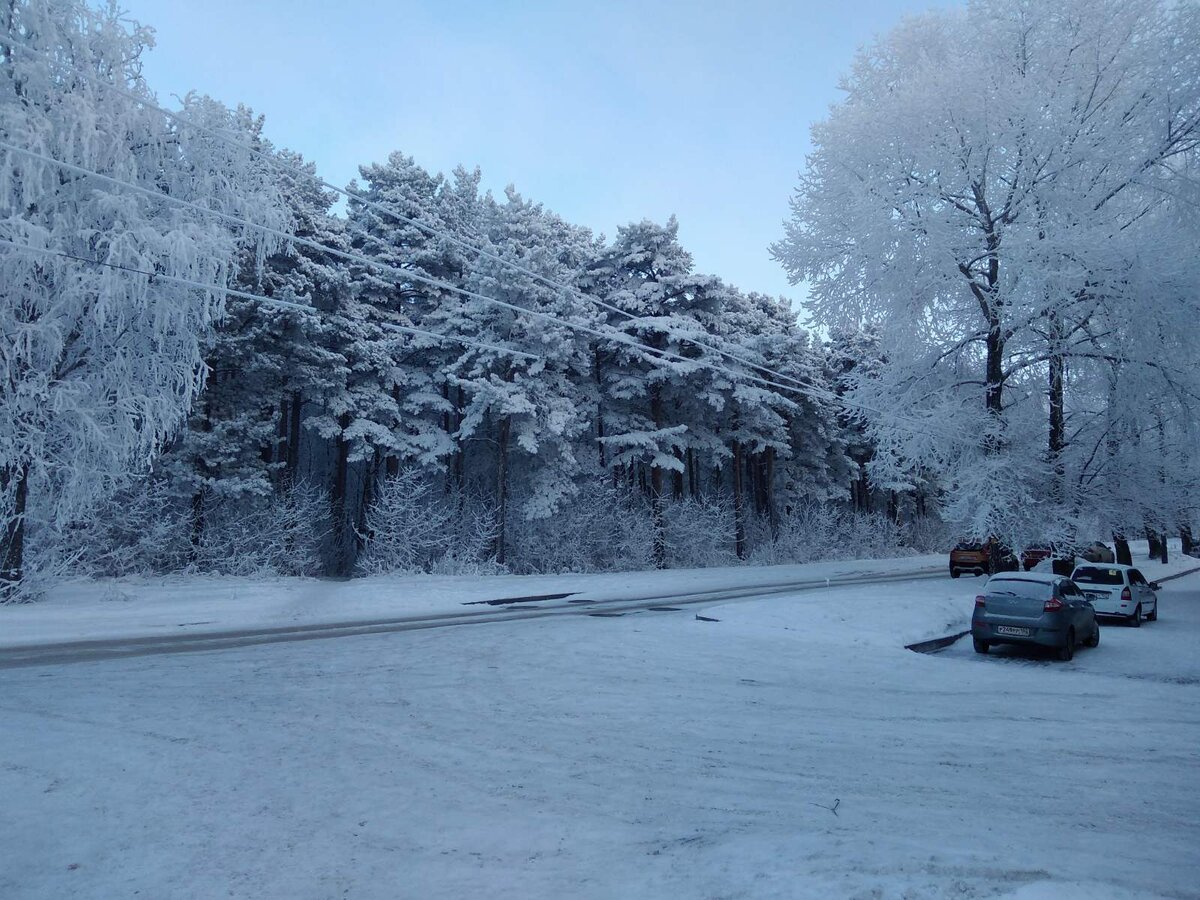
(605, 112)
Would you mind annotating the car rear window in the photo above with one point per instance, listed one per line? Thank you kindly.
(968, 545)
(1097, 575)
(1020, 587)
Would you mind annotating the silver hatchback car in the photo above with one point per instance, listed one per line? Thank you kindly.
(1035, 609)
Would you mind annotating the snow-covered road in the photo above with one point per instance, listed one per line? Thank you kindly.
(481, 612)
(652, 755)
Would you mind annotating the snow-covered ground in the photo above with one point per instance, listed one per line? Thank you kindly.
(651, 755)
(136, 607)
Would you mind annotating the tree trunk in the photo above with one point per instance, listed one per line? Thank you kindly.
(12, 560)
(1124, 557)
(599, 412)
(994, 391)
(460, 449)
(739, 503)
(772, 509)
(756, 464)
(1162, 548)
(368, 497)
(392, 464)
(293, 439)
(502, 488)
(656, 488)
(275, 451)
(995, 377)
(600, 435)
(1057, 431)
(204, 472)
(1152, 540)
(1185, 540)
(337, 501)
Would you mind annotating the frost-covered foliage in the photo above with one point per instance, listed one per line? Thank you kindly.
(413, 527)
(605, 528)
(149, 528)
(701, 531)
(818, 531)
(1009, 191)
(99, 366)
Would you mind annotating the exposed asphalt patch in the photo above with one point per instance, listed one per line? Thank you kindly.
(935, 644)
(607, 615)
(503, 601)
(1177, 575)
(665, 608)
(700, 618)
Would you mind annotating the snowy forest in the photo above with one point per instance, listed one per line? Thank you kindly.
(214, 361)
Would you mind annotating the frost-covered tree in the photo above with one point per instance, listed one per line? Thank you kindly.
(269, 368)
(530, 412)
(647, 383)
(986, 192)
(100, 365)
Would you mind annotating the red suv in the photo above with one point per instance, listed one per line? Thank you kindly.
(1063, 558)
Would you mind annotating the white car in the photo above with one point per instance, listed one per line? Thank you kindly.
(1120, 591)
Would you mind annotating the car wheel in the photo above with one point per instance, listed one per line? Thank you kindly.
(1067, 651)
(1153, 617)
(1094, 640)
(954, 573)
(1136, 619)
(980, 646)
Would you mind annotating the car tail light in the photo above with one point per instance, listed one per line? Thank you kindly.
(979, 604)
(1126, 595)
(1053, 605)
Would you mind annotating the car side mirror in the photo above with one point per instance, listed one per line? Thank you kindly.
(1155, 586)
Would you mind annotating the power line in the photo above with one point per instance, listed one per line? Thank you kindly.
(813, 392)
(406, 274)
(273, 301)
(271, 159)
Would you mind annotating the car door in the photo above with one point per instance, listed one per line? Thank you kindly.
(1080, 613)
(1141, 591)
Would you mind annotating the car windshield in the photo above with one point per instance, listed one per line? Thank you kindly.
(1020, 587)
(1096, 575)
(968, 545)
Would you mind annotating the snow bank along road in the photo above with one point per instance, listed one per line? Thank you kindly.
(648, 755)
(566, 603)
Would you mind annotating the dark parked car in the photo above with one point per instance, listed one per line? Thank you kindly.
(1035, 609)
(982, 558)
(1097, 552)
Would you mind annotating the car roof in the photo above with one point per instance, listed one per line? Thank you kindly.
(1041, 577)
(1120, 567)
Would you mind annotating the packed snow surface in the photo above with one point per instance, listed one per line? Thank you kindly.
(174, 605)
(791, 749)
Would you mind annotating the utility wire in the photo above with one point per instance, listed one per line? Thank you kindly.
(272, 301)
(271, 159)
(405, 274)
(812, 391)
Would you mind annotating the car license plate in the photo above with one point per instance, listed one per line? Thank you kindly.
(1013, 630)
